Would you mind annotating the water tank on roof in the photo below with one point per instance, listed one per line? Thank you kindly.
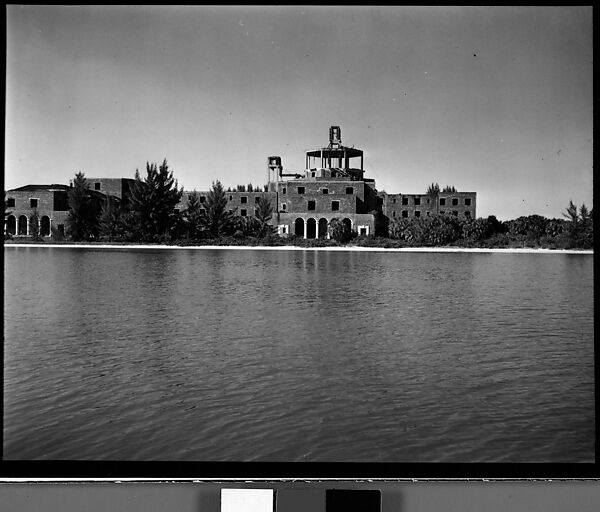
(335, 135)
(274, 161)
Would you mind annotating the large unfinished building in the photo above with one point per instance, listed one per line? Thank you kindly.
(333, 186)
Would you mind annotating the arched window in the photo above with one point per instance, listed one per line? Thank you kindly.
(45, 226)
(348, 224)
(322, 228)
(311, 228)
(22, 228)
(11, 225)
(299, 227)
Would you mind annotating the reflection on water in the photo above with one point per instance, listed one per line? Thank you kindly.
(298, 356)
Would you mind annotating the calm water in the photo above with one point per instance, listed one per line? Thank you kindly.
(298, 356)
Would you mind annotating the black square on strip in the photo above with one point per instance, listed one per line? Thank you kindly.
(353, 500)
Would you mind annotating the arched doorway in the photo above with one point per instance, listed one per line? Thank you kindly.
(347, 224)
(11, 225)
(322, 228)
(299, 227)
(311, 228)
(45, 226)
(22, 228)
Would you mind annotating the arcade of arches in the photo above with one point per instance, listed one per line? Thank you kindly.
(313, 229)
(22, 225)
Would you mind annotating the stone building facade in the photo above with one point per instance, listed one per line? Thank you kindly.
(116, 187)
(398, 206)
(50, 203)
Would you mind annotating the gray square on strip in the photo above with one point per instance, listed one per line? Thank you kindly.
(300, 500)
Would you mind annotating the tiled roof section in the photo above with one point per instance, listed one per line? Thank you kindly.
(33, 188)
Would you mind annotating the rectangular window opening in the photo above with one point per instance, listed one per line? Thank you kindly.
(454, 201)
(417, 213)
(311, 205)
(10, 202)
(202, 199)
(244, 199)
(404, 201)
(335, 206)
(467, 201)
(404, 213)
(442, 201)
(33, 203)
(284, 190)
(61, 203)
(243, 212)
(349, 190)
(325, 191)
(301, 190)
(417, 201)
(97, 185)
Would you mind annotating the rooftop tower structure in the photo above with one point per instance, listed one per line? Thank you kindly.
(336, 157)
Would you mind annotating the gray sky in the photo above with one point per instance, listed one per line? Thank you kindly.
(492, 100)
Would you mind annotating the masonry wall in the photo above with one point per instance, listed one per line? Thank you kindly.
(397, 206)
(237, 201)
(45, 207)
(290, 200)
(118, 187)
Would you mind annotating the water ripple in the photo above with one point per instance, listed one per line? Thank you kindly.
(298, 356)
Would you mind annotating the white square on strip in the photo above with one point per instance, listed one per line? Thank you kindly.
(247, 500)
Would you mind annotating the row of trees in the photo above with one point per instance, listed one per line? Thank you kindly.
(248, 188)
(149, 214)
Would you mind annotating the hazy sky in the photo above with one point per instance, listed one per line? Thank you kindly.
(492, 100)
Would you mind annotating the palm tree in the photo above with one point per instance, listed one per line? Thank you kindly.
(433, 191)
(571, 213)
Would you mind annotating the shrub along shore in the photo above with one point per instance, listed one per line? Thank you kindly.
(296, 242)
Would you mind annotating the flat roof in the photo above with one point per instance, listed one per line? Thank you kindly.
(335, 152)
(34, 188)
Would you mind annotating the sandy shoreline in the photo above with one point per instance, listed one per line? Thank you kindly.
(296, 248)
